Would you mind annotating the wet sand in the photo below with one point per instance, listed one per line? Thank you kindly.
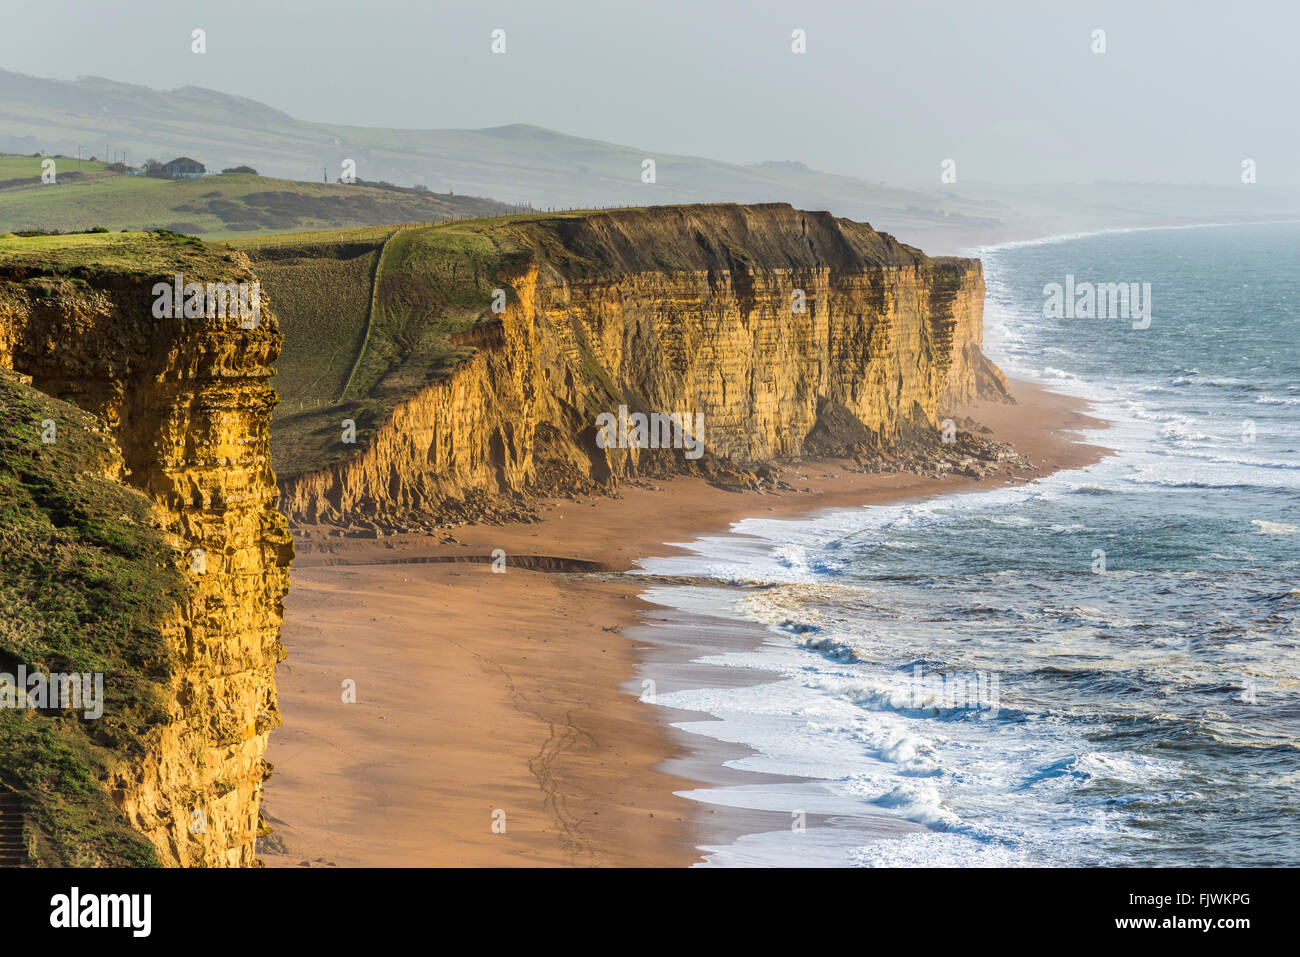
(496, 719)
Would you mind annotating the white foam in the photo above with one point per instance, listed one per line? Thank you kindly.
(1273, 528)
(929, 849)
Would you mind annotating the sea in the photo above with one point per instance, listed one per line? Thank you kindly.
(1098, 668)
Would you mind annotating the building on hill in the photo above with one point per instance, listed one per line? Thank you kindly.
(183, 168)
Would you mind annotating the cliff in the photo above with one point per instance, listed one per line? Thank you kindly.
(187, 404)
(476, 361)
(788, 331)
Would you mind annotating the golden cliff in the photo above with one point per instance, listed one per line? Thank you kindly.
(188, 403)
(773, 323)
(790, 333)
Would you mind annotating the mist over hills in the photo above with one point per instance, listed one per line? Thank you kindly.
(524, 164)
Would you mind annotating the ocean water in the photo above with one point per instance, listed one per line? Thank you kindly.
(1098, 668)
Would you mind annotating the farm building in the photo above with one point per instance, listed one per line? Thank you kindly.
(183, 168)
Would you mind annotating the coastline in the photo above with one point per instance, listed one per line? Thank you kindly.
(479, 693)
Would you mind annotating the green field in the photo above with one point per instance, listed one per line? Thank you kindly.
(19, 172)
(221, 206)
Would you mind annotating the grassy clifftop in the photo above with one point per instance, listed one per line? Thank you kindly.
(89, 582)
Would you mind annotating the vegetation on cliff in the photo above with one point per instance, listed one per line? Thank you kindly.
(327, 280)
(88, 580)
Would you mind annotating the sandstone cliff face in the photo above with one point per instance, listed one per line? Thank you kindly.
(673, 309)
(188, 402)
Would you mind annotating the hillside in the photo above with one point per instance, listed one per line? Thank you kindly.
(23, 171)
(370, 318)
(518, 164)
(325, 281)
(227, 204)
(529, 165)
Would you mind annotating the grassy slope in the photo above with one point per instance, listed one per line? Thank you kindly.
(433, 280)
(226, 205)
(327, 290)
(18, 172)
(130, 254)
(86, 578)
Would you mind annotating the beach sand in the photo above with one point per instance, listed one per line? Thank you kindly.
(496, 720)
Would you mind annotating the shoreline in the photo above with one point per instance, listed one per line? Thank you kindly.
(943, 242)
(480, 692)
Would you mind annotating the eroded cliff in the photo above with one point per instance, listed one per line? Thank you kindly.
(779, 327)
(187, 402)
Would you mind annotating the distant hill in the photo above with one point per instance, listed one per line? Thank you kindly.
(224, 205)
(529, 165)
(517, 164)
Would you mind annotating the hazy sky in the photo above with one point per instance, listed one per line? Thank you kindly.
(1009, 90)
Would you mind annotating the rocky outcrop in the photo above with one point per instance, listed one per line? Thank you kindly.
(774, 324)
(188, 403)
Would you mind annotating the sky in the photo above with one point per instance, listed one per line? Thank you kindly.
(1010, 91)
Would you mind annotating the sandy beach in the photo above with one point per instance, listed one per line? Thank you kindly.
(496, 720)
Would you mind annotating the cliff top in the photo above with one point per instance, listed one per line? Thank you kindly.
(729, 235)
(159, 254)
